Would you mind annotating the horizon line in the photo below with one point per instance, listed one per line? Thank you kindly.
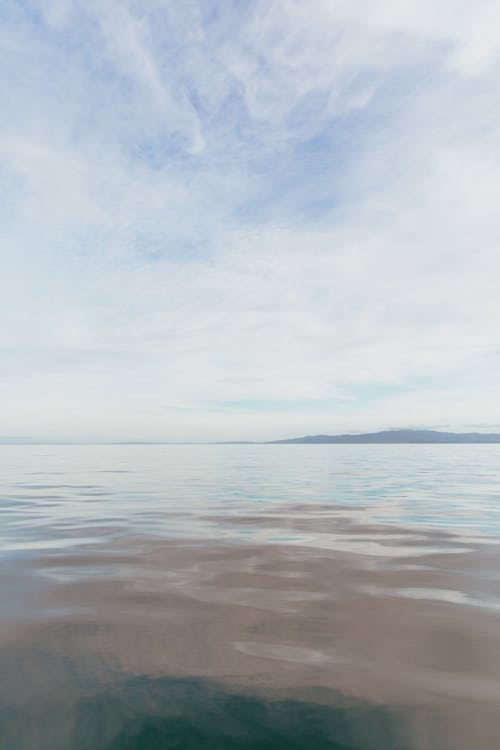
(315, 439)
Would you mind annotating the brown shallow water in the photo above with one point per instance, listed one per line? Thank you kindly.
(154, 619)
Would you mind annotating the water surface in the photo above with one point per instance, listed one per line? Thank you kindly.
(298, 596)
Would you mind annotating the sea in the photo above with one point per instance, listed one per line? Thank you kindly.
(252, 597)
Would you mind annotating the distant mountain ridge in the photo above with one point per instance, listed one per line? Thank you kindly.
(367, 438)
(398, 436)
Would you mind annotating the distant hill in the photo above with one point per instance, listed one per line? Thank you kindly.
(399, 436)
(382, 437)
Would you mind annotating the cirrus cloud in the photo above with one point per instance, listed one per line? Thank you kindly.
(246, 221)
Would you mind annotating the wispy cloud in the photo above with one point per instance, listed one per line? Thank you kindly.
(227, 221)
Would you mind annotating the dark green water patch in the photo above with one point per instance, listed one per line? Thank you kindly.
(185, 714)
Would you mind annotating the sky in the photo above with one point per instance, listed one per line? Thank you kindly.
(248, 219)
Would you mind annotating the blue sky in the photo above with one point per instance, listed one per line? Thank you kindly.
(227, 220)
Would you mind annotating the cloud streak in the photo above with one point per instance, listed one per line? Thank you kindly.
(238, 222)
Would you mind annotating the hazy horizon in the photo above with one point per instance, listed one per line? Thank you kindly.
(251, 222)
(474, 429)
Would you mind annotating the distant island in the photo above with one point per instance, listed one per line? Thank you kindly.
(367, 438)
(397, 436)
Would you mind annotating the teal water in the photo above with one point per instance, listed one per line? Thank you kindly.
(321, 596)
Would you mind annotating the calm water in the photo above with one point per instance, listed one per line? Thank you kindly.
(250, 597)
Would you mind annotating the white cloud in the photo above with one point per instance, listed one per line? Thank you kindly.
(165, 276)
